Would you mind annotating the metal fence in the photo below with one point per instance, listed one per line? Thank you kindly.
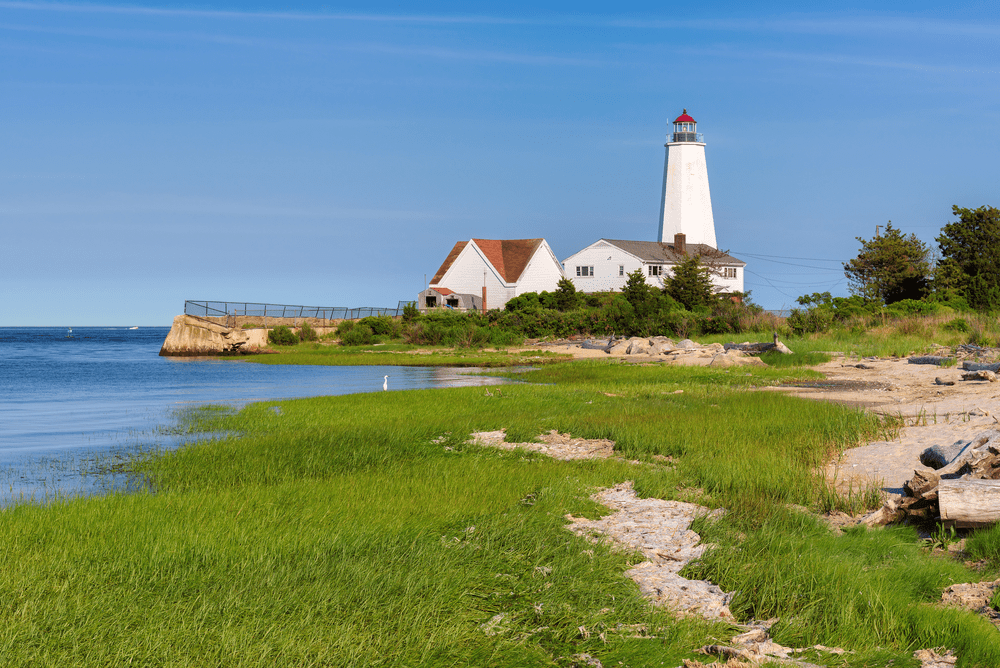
(205, 309)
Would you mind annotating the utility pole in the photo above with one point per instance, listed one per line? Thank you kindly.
(876, 230)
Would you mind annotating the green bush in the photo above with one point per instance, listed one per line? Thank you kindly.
(410, 312)
(357, 335)
(307, 333)
(957, 325)
(282, 336)
(382, 325)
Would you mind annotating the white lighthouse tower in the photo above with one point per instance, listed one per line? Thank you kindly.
(686, 204)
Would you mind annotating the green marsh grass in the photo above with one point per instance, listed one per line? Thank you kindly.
(365, 530)
(400, 354)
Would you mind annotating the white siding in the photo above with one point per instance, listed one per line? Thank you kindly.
(686, 204)
(466, 275)
(607, 261)
(542, 273)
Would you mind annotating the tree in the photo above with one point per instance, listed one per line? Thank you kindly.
(566, 297)
(691, 284)
(970, 256)
(889, 268)
(637, 293)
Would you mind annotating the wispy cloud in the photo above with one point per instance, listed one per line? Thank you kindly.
(233, 14)
(185, 205)
(836, 59)
(436, 52)
(796, 23)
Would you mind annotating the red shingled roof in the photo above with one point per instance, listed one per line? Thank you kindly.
(509, 257)
(448, 261)
(443, 291)
(684, 118)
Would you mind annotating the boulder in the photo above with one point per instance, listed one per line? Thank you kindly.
(939, 456)
(638, 346)
(687, 344)
(619, 348)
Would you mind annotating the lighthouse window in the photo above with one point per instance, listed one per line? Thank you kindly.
(584, 271)
(656, 270)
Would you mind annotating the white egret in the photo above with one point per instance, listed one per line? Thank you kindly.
(385, 384)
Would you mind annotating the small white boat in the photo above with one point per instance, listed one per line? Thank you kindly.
(133, 328)
(69, 333)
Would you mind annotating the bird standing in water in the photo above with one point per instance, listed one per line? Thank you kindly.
(385, 384)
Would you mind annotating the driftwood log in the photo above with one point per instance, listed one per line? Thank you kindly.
(969, 504)
(964, 492)
(930, 359)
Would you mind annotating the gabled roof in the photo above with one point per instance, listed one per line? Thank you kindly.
(659, 252)
(509, 257)
(443, 291)
(446, 265)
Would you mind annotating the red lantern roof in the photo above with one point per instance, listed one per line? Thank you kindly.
(684, 118)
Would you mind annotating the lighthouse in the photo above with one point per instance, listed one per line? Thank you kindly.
(686, 204)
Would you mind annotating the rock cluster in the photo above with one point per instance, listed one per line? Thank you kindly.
(660, 530)
(553, 444)
(685, 352)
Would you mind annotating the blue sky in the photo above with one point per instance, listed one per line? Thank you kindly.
(332, 154)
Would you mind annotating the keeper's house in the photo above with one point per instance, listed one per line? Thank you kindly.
(486, 273)
(605, 264)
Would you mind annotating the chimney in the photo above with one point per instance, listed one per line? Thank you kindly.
(484, 300)
(680, 244)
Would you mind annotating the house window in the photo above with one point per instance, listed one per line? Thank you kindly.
(729, 272)
(621, 270)
(452, 302)
(656, 270)
(430, 301)
(584, 271)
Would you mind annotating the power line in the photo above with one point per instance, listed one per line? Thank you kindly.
(784, 257)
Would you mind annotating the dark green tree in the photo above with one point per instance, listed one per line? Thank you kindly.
(639, 294)
(890, 267)
(971, 246)
(691, 284)
(566, 297)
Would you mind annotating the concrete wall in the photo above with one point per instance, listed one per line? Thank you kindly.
(191, 336)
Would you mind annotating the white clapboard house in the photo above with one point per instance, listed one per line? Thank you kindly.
(491, 271)
(605, 264)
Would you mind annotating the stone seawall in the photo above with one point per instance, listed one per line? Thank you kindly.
(191, 336)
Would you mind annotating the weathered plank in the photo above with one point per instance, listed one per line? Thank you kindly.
(969, 503)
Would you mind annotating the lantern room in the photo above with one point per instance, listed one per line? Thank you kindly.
(686, 129)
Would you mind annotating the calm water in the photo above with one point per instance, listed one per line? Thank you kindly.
(67, 403)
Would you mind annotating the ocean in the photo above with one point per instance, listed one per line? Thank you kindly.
(72, 400)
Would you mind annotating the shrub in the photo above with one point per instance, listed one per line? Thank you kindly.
(307, 333)
(344, 327)
(357, 335)
(958, 325)
(250, 325)
(382, 325)
(410, 312)
(282, 336)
